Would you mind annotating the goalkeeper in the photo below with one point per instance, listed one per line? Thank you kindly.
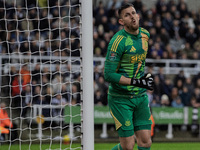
(124, 69)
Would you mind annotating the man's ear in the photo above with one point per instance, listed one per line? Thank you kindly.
(121, 22)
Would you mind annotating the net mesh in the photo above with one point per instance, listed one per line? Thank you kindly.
(40, 72)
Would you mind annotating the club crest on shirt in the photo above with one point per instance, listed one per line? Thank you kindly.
(127, 123)
(112, 55)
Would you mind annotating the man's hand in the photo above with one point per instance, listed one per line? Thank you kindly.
(145, 82)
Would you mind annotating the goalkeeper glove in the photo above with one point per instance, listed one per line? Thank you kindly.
(145, 82)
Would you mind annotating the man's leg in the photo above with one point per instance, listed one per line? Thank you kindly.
(143, 138)
(127, 143)
(117, 147)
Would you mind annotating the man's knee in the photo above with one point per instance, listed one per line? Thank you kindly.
(145, 143)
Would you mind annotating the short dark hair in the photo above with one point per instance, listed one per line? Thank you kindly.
(124, 6)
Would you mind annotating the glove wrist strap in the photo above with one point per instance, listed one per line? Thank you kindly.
(132, 81)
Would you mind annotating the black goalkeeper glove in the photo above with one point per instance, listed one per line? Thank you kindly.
(145, 82)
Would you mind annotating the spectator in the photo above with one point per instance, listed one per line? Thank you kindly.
(189, 84)
(185, 96)
(138, 5)
(158, 50)
(75, 98)
(49, 94)
(157, 86)
(36, 74)
(179, 86)
(13, 73)
(25, 74)
(188, 50)
(175, 30)
(168, 23)
(98, 98)
(112, 12)
(103, 88)
(196, 94)
(102, 46)
(167, 86)
(191, 36)
(197, 85)
(180, 76)
(97, 73)
(164, 101)
(113, 26)
(57, 84)
(164, 35)
(177, 103)
(40, 100)
(154, 103)
(4, 119)
(27, 100)
(6, 125)
(174, 94)
(182, 8)
(194, 102)
(105, 24)
(161, 75)
(44, 21)
(97, 52)
(36, 93)
(17, 87)
(150, 96)
(61, 101)
(25, 48)
(65, 92)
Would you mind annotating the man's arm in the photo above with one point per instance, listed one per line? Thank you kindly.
(144, 82)
(125, 81)
(113, 58)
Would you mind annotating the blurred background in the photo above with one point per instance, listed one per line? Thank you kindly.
(38, 37)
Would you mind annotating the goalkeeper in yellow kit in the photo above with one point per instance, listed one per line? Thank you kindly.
(124, 69)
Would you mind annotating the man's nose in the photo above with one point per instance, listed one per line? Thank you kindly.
(132, 16)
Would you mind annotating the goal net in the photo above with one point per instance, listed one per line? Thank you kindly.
(41, 74)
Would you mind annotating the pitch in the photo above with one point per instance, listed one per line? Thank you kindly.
(103, 146)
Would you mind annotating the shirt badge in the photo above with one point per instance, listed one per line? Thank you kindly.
(112, 55)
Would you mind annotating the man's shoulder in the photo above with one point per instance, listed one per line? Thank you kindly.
(117, 42)
(119, 36)
(144, 31)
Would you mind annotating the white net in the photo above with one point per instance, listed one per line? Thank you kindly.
(40, 73)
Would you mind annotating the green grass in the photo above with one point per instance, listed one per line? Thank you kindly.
(103, 146)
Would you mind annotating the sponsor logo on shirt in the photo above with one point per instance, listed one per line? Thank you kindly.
(138, 58)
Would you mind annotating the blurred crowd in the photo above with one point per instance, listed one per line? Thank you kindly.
(53, 29)
(174, 29)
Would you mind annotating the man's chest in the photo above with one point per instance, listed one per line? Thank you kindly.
(135, 49)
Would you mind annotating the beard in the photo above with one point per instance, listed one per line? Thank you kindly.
(132, 27)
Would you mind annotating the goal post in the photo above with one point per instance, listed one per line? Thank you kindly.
(87, 74)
